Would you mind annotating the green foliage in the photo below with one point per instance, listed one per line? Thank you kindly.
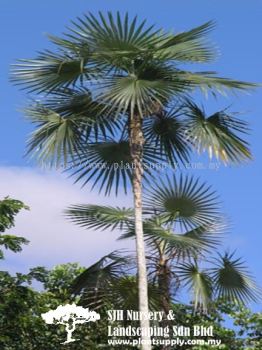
(217, 134)
(9, 208)
(21, 305)
(21, 325)
(105, 69)
(248, 325)
(183, 200)
(182, 224)
(111, 281)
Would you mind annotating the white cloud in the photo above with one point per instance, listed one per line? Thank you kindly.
(53, 239)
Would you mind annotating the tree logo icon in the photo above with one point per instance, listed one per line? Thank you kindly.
(70, 315)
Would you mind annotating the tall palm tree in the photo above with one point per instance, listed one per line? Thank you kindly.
(108, 79)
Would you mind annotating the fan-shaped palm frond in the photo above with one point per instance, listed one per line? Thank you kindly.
(208, 235)
(217, 134)
(198, 282)
(188, 46)
(151, 83)
(100, 217)
(232, 280)
(97, 119)
(50, 71)
(166, 133)
(109, 267)
(125, 294)
(190, 244)
(120, 293)
(108, 281)
(183, 200)
(66, 123)
(57, 139)
(153, 230)
(158, 82)
(113, 36)
(108, 163)
(209, 81)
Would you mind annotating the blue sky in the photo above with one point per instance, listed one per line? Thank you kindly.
(238, 36)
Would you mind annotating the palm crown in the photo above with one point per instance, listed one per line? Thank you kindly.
(108, 68)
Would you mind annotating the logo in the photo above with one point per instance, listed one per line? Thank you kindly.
(70, 315)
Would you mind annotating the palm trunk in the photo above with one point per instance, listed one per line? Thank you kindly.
(136, 140)
(165, 300)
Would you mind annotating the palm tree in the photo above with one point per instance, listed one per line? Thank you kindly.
(182, 227)
(110, 89)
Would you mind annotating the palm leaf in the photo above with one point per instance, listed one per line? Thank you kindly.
(105, 270)
(179, 245)
(107, 283)
(97, 119)
(217, 134)
(108, 163)
(188, 46)
(56, 140)
(100, 217)
(150, 83)
(166, 133)
(49, 71)
(209, 234)
(210, 82)
(65, 125)
(113, 41)
(232, 281)
(198, 282)
(185, 201)
(121, 294)
(96, 48)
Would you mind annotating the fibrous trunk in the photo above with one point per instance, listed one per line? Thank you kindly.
(165, 300)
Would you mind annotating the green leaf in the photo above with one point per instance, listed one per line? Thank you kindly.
(217, 134)
(188, 46)
(198, 282)
(210, 82)
(184, 201)
(101, 273)
(49, 71)
(9, 208)
(100, 217)
(232, 280)
(153, 231)
(108, 281)
(13, 243)
(166, 133)
(56, 140)
(108, 164)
